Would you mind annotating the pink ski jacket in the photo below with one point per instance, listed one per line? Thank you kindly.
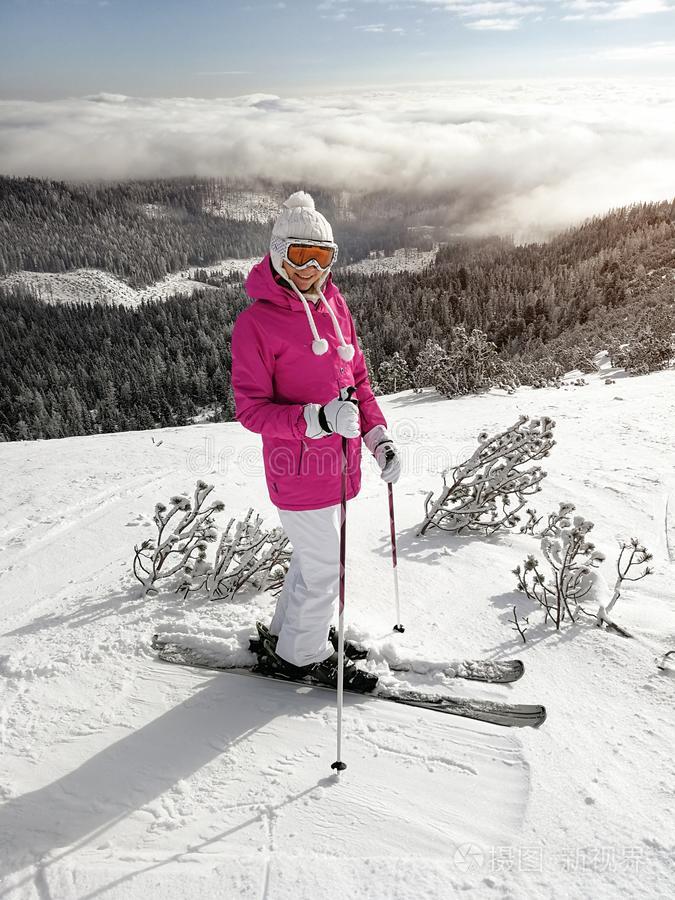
(275, 373)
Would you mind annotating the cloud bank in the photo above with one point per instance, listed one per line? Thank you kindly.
(519, 158)
(508, 15)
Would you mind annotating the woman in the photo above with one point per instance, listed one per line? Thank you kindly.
(294, 355)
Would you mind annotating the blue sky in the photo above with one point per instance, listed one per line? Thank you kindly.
(53, 49)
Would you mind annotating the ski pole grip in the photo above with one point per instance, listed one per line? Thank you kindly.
(347, 392)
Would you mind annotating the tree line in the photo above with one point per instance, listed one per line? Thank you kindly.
(143, 230)
(84, 369)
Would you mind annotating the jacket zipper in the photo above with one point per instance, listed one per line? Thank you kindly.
(302, 448)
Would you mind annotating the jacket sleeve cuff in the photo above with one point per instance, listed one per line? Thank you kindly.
(311, 417)
(376, 436)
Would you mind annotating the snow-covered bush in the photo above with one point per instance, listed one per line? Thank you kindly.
(554, 522)
(543, 371)
(469, 364)
(181, 539)
(246, 553)
(571, 559)
(520, 624)
(646, 352)
(631, 555)
(532, 521)
(574, 575)
(487, 490)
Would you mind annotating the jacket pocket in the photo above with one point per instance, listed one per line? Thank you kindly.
(282, 459)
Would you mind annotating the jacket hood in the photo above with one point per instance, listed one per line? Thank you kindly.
(263, 283)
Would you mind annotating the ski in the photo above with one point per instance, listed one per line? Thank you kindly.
(489, 671)
(497, 713)
(503, 671)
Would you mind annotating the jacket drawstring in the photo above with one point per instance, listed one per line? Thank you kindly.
(320, 345)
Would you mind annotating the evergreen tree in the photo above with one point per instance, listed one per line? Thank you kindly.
(394, 374)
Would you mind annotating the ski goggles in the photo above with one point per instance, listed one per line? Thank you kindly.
(302, 254)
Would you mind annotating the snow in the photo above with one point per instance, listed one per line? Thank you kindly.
(238, 204)
(123, 777)
(156, 210)
(406, 259)
(248, 206)
(97, 286)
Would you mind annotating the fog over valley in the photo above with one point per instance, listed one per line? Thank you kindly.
(519, 158)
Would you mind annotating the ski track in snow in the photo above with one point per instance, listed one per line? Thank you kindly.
(669, 524)
(71, 516)
(123, 777)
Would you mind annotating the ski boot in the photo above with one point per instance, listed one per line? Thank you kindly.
(352, 650)
(354, 679)
(270, 663)
(264, 647)
(255, 645)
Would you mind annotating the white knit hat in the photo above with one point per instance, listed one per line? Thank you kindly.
(298, 219)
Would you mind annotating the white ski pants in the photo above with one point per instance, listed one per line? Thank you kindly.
(308, 599)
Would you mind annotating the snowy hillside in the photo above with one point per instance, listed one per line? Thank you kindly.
(248, 206)
(97, 286)
(406, 259)
(123, 777)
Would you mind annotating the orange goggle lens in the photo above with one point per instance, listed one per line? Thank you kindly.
(301, 254)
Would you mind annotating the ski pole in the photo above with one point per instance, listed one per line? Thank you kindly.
(339, 765)
(392, 527)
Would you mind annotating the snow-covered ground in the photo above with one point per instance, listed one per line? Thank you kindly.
(407, 259)
(242, 205)
(247, 206)
(97, 286)
(124, 777)
(155, 210)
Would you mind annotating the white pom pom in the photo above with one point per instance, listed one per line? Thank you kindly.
(320, 347)
(346, 352)
(299, 198)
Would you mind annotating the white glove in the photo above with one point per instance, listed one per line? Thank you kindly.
(340, 416)
(382, 447)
